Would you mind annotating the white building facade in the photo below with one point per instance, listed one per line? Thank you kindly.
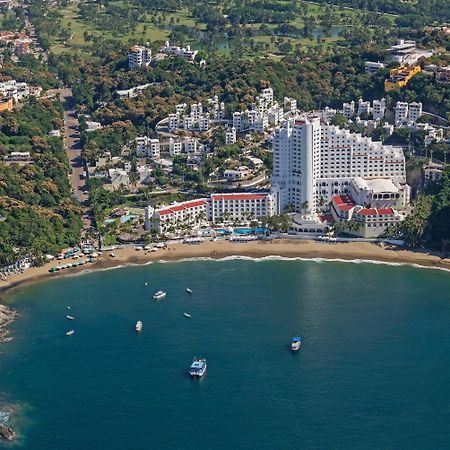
(313, 162)
(237, 207)
(139, 56)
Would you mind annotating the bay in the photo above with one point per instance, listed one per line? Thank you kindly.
(373, 370)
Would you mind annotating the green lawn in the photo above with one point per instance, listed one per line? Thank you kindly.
(148, 31)
(152, 32)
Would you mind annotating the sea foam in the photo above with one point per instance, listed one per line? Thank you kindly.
(318, 260)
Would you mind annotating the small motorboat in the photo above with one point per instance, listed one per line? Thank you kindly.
(187, 315)
(159, 295)
(138, 326)
(198, 367)
(146, 283)
(112, 255)
(70, 332)
(296, 343)
(68, 307)
(189, 291)
(70, 317)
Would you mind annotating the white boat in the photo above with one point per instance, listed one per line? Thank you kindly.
(189, 291)
(112, 255)
(70, 332)
(198, 367)
(296, 343)
(159, 295)
(187, 315)
(68, 307)
(146, 283)
(138, 326)
(70, 317)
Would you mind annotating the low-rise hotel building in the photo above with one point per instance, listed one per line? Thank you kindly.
(217, 208)
(240, 206)
(366, 222)
(170, 218)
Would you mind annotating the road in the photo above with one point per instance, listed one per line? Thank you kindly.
(73, 149)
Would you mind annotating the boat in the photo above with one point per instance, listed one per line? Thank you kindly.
(68, 307)
(187, 315)
(138, 326)
(296, 343)
(189, 291)
(112, 255)
(159, 295)
(146, 283)
(198, 367)
(70, 332)
(70, 317)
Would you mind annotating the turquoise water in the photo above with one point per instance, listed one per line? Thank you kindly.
(244, 231)
(373, 370)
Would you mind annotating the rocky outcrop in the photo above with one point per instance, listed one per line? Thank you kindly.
(7, 433)
(7, 316)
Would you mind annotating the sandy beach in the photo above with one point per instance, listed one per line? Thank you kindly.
(222, 249)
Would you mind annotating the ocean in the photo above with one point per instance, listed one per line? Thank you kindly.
(372, 373)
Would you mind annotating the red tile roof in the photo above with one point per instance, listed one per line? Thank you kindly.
(195, 203)
(342, 199)
(375, 211)
(242, 196)
(345, 207)
(385, 211)
(343, 202)
(182, 207)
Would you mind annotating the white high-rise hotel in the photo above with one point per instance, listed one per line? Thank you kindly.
(313, 162)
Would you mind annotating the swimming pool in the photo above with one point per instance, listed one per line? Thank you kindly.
(244, 231)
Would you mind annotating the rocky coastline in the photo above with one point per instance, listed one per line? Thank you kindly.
(7, 316)
(7, 433)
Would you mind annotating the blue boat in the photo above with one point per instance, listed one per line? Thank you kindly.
(296, 343)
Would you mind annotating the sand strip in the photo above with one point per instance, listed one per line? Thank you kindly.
(255, 249)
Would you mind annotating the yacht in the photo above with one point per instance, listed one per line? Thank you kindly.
(296, 343)
(198, 367)
(187, 315)
(138, 326)
(70, 332)
(70, 317)
(189, 291)
(159, 295)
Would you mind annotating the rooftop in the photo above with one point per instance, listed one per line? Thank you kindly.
(375, 211)
(242, 196)
(375, 185)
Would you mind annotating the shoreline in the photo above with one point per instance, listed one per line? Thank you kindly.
(283, 248)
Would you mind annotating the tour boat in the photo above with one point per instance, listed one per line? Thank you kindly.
(189, 291)
(187, 315)
(69, 317)
(198, 367)
(159, 295)
(70, 332)
(138, 326)
(296, 342)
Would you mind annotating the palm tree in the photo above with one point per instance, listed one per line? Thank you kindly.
(305, 205)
